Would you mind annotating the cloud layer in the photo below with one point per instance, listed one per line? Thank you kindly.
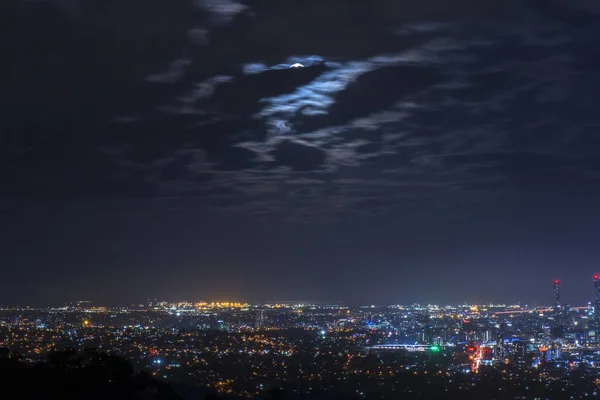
(399, 105)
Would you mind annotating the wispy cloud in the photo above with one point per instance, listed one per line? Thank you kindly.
(173, 73)
(223, 11)
(415, 110)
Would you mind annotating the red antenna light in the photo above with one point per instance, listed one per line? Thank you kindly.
(595, 276)
(556, 281)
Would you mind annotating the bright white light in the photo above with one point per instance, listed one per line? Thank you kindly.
(297, 65)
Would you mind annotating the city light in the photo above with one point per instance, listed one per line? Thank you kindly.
(307, 345)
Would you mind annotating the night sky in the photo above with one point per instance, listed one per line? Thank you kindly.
(428, 151)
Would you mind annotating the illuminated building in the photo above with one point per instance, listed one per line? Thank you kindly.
(596, 297)
(259, 319)
(468, 330)
(500, 346)
(556, 294)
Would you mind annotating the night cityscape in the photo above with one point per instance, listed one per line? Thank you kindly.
(299, 199)
(245, 350)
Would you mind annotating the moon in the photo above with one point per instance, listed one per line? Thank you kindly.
(297, 65)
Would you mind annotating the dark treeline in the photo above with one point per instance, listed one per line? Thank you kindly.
(69, 375)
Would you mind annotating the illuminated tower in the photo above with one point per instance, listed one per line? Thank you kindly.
(556, 294)
(596, 297)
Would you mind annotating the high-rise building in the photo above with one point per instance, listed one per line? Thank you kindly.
(596, 297)
(259, 319)
(556, 293)
(500, 346)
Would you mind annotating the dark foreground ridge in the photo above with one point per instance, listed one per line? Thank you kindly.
(92, 375)
(71, 375)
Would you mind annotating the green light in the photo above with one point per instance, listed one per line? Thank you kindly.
(434, 348)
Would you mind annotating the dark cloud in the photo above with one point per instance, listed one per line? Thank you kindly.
(299, 156)
(243, 95)
(380, 89)
(195, 100)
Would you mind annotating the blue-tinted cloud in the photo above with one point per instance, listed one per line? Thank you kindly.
(196, 105)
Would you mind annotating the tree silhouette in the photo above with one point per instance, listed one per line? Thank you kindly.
(67, 375)
(276, 394)
(64, 359)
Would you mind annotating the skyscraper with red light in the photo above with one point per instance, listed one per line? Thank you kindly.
(556, 294)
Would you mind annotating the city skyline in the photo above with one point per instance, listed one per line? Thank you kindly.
(239, 303)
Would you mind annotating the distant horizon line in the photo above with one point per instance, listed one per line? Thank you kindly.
(291, 302)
